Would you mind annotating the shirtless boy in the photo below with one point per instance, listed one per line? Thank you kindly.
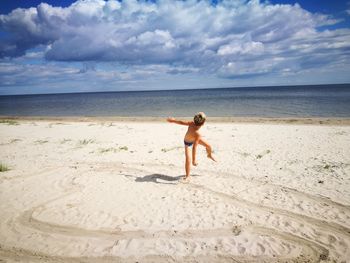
(193, 137)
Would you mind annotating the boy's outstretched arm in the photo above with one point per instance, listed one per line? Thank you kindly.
(172, 120)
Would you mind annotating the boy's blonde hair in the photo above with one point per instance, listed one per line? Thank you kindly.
(199, 118)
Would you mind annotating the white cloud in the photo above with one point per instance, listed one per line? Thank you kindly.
(240, 49)
(230, 39)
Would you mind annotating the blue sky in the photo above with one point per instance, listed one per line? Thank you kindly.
(96, 45)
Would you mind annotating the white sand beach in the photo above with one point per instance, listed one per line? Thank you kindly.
(109, 191)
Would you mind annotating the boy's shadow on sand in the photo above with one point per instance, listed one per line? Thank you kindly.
(154, 178)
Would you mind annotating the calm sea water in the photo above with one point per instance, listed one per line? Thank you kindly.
(293, 101)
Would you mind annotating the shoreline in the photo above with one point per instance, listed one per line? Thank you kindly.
(260, 120)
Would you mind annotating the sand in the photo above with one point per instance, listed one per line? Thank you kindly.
(109, 191)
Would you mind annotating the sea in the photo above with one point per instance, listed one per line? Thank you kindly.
(282, 101)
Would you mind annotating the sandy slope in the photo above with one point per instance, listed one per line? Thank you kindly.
(107, 192)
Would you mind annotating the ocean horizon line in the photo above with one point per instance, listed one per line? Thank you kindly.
(268, 101)
(182, 89)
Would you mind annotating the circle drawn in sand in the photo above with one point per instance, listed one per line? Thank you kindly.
(257, 232)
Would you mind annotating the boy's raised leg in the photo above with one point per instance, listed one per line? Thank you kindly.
(207, 148)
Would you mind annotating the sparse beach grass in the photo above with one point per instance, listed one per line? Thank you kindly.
(41, 141)
(340, 133)
(9, 122)
(65, 140)
(15, 140)
(3, 167)
(113, 149)
(259, 156)
(125, 148)
(85, 142)
(105, 150)
(327, 166)
(244, 154)
(332, 168)
(170, 149)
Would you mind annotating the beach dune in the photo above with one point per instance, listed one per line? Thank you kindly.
(109, 191)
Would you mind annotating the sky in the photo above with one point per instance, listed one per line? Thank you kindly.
(96, 45)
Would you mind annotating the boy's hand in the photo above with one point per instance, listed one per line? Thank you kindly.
(194, 163)
(170, 119)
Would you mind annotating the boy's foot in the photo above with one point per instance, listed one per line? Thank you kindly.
(185, 179)
(211, 157)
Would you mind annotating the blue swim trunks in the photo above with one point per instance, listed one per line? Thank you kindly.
(188, 143)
